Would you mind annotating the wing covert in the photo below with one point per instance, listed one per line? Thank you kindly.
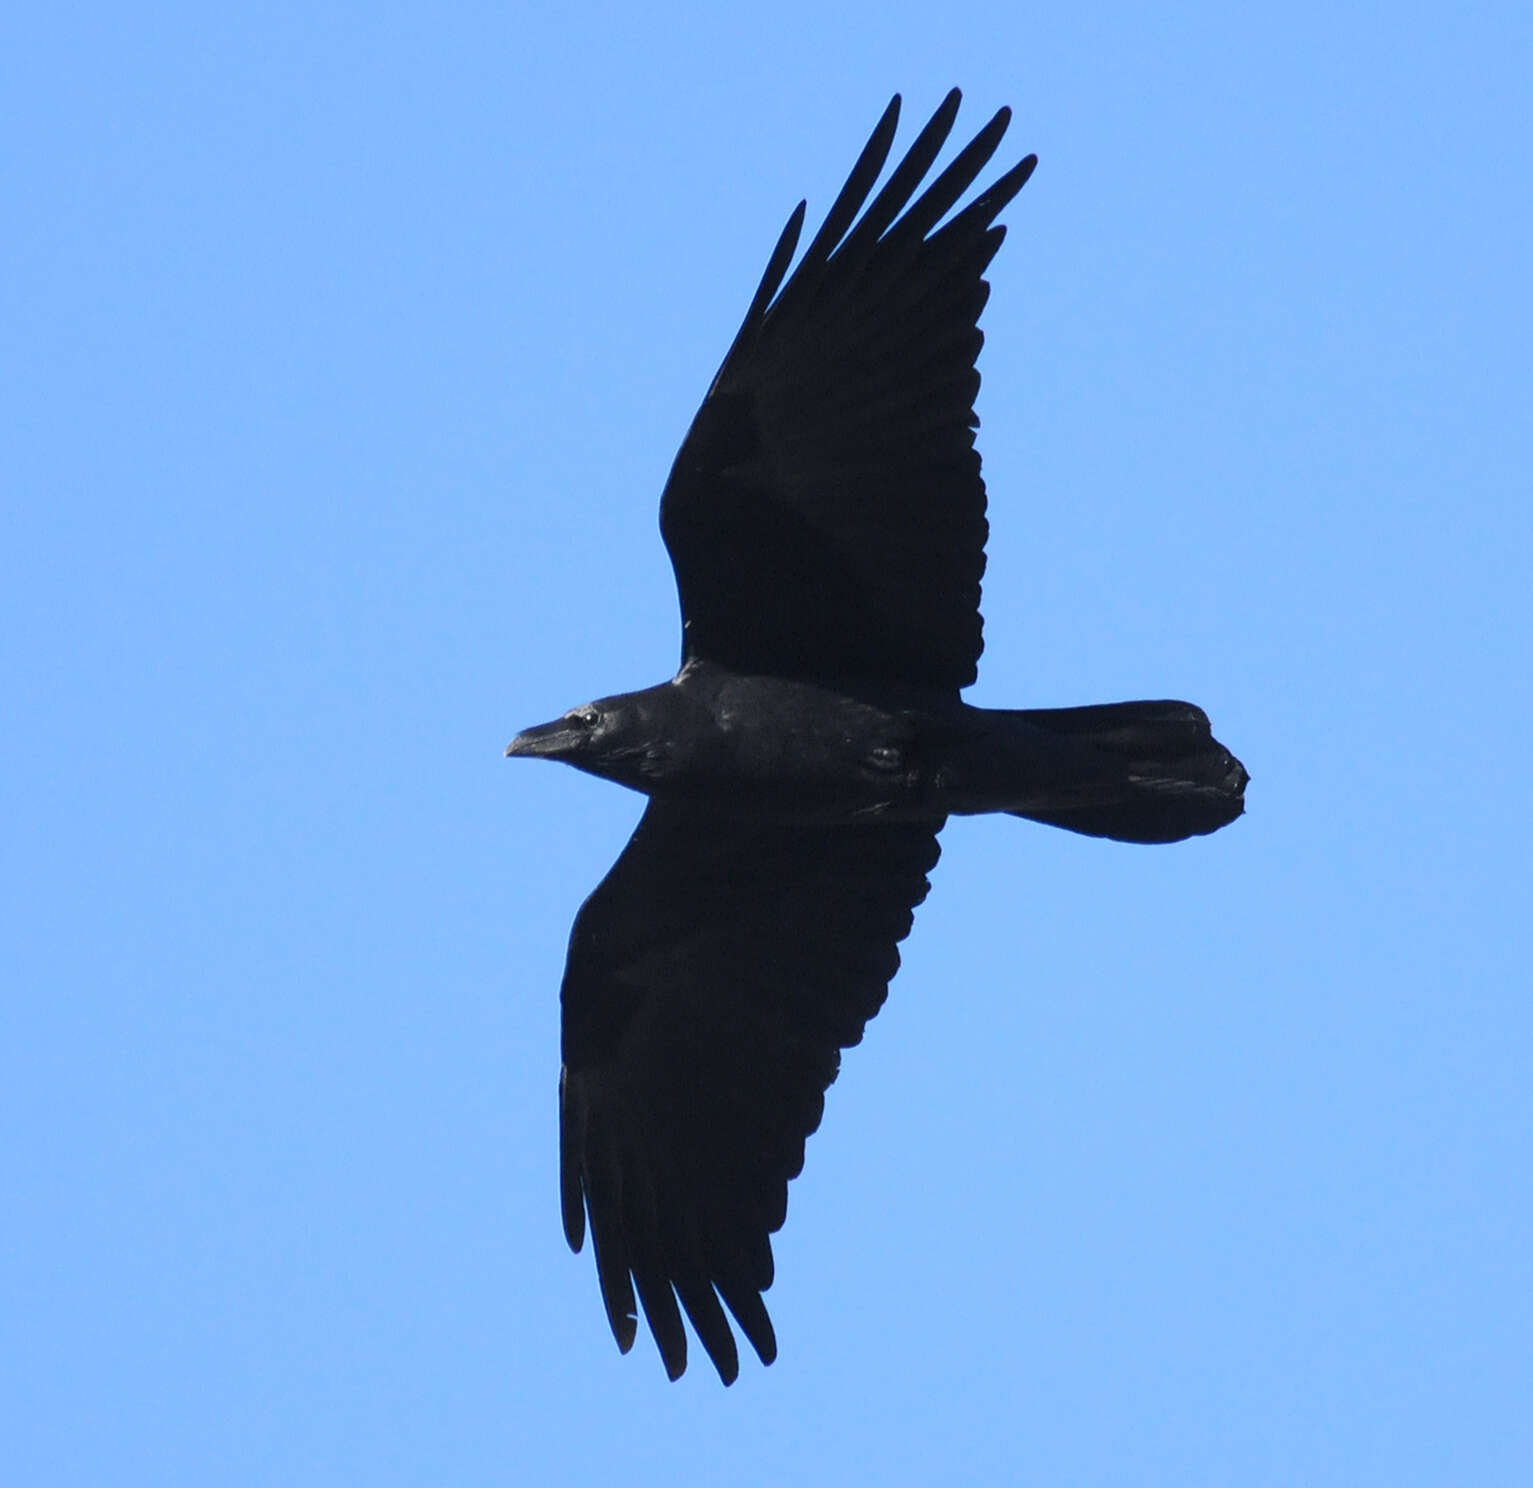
(713, 978)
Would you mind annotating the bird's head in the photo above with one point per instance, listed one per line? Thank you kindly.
(619, 738)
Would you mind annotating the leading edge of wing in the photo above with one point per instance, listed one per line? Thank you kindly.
(713, 978)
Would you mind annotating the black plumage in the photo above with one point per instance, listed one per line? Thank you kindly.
(826, 521)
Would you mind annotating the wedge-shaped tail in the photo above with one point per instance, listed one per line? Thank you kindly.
(1161, 775)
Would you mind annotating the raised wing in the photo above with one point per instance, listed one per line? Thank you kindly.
(825, 515)
(713, 978)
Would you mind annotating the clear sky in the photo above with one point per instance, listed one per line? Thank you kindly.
(345, 353)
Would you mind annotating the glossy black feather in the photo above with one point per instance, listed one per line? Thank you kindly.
(713, 978)
(825, 515)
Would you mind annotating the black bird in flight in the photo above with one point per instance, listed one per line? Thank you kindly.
(826, 521)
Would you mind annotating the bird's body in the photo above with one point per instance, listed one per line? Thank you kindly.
(784, 750)
(826, 520)
(830, 755)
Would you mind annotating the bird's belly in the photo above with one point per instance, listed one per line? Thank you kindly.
(810, 781)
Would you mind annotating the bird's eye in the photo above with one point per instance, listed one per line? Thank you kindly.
(585, 718)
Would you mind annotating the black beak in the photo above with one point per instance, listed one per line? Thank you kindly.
(545, 741)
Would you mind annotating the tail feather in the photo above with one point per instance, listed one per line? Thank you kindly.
(1169, 778)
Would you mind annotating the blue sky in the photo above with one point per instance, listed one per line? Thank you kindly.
(346, 351)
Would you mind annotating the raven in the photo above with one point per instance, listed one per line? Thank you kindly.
(826, 521)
